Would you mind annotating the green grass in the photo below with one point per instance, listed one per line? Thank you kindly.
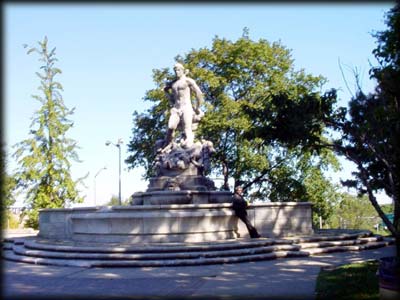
(354, 281)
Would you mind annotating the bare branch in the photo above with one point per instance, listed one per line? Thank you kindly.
(344, 77)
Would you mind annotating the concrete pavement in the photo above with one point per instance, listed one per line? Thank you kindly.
(288, 278)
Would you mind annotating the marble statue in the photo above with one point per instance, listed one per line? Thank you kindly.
(182, 112)
(178, 158)
(182, 162)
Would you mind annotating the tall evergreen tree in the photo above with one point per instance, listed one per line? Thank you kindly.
(44, 159)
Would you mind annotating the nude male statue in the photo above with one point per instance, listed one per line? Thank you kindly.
(182, 112)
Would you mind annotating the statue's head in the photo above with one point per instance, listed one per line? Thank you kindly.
(180, 70)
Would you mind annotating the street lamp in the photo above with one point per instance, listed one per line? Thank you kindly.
(98, 172)
(118, 145)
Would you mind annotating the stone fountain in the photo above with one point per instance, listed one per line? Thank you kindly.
(180, 204)
(181, 163)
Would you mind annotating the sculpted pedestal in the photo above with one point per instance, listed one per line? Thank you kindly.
(180, 178)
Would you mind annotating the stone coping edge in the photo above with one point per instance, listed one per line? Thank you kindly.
(183, 192)
(174, 206)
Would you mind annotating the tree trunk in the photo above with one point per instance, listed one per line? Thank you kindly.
(396, 221)
(393, 228)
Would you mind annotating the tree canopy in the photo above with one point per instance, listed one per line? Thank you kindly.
(370, 135)
(44, 159)
(7, 184)
(354, 212)
(263, 116)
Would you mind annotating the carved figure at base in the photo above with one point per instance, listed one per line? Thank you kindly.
(182, 113)
(175, 159)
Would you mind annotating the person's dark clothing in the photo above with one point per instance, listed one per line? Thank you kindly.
(239, 205)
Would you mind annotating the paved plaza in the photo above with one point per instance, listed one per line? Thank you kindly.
(288, 278)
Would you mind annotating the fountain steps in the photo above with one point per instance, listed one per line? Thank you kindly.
(60, 253)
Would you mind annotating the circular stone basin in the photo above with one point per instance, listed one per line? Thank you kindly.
(172, 223)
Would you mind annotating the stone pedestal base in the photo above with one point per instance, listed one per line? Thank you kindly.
(180, 197)
(172, 223)
(181, 182)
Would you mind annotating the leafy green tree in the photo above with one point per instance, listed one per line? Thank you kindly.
(263, 116)
(304, 181)
(354, 213)
(370, 136)
(114, 201)
(10, 221)
(322, 194)
(387, 208)
(44, 159)
(8, 184)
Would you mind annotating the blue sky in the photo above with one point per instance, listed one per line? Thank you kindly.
(107, 54)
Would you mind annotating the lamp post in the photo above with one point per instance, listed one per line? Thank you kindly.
(98, 172)
(118, 145)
